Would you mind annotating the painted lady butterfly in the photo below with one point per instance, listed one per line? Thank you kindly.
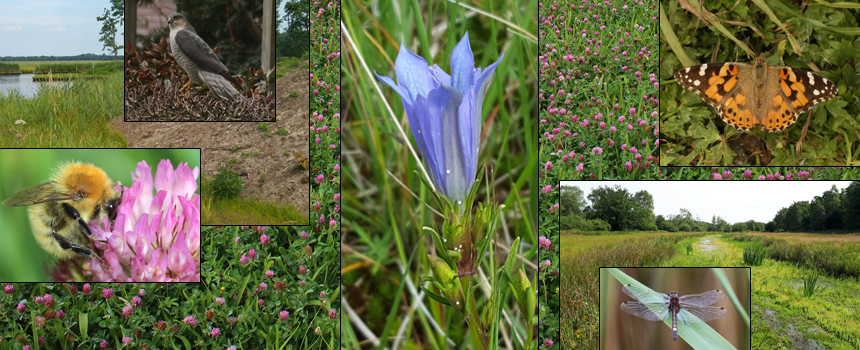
(748, 95)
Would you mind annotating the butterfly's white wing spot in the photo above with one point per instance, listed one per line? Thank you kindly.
(811, 78)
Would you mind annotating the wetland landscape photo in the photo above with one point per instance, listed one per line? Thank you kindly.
(60, 73)
(799, 241)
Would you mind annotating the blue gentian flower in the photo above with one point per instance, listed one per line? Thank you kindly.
(445, 114)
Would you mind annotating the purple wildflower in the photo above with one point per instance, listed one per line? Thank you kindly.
(445, 113)
(544, 242)
(156, 234)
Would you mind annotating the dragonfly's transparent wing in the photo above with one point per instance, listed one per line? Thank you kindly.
(643, 311)
(645, 295)
(703, 299)
(703, 314)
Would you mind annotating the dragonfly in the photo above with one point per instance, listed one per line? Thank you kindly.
(654, 306)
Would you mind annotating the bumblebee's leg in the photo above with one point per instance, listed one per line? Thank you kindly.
(73, 213)
(82, 251)
(65, 244)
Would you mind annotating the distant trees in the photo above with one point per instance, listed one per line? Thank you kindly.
(617, 209)
(294, 41)
(572, 209)
(109, 21)
(833, 210)
(571, 201)
(851, 206)
(612, 209)
(622, 210)
(81, 57)
(755, 226)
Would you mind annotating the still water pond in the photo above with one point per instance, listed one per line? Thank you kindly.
(23, 83)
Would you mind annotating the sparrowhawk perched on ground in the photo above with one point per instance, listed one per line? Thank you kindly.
(195, 56)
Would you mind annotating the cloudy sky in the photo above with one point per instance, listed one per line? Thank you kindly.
(734, 201)
(54, 27)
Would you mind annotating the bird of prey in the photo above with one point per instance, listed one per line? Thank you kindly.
(195, 56)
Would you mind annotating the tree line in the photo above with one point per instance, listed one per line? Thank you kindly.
(832, 210)
(617, 209)
(81, 57)
(295, 40)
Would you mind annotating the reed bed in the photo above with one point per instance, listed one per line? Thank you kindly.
(74, 115)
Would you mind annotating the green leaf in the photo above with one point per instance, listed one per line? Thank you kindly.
(512, 256)
(242, 288)
(185, 341)
(440, 299)
(84, 324)
(440, 245)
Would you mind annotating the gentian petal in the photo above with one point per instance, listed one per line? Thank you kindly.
(400, 90)
(445, 114)
(440, 77)
(482, 79)
(462, 65)
(470, 133)
(481, 83)
(428, 131)
(457, 184)
(411, 71)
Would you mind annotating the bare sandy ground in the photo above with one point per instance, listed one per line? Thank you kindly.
(286, 181)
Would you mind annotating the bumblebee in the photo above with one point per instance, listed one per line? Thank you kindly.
(60, 208)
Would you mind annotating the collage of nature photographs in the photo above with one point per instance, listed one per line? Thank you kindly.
(170, 174)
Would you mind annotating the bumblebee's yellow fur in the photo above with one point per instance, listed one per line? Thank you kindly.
(60, 209)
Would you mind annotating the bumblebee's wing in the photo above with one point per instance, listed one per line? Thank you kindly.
(44, 192)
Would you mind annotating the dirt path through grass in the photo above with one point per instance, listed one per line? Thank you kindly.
(268, 160)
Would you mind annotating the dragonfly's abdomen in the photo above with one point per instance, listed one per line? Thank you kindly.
(674, 308)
